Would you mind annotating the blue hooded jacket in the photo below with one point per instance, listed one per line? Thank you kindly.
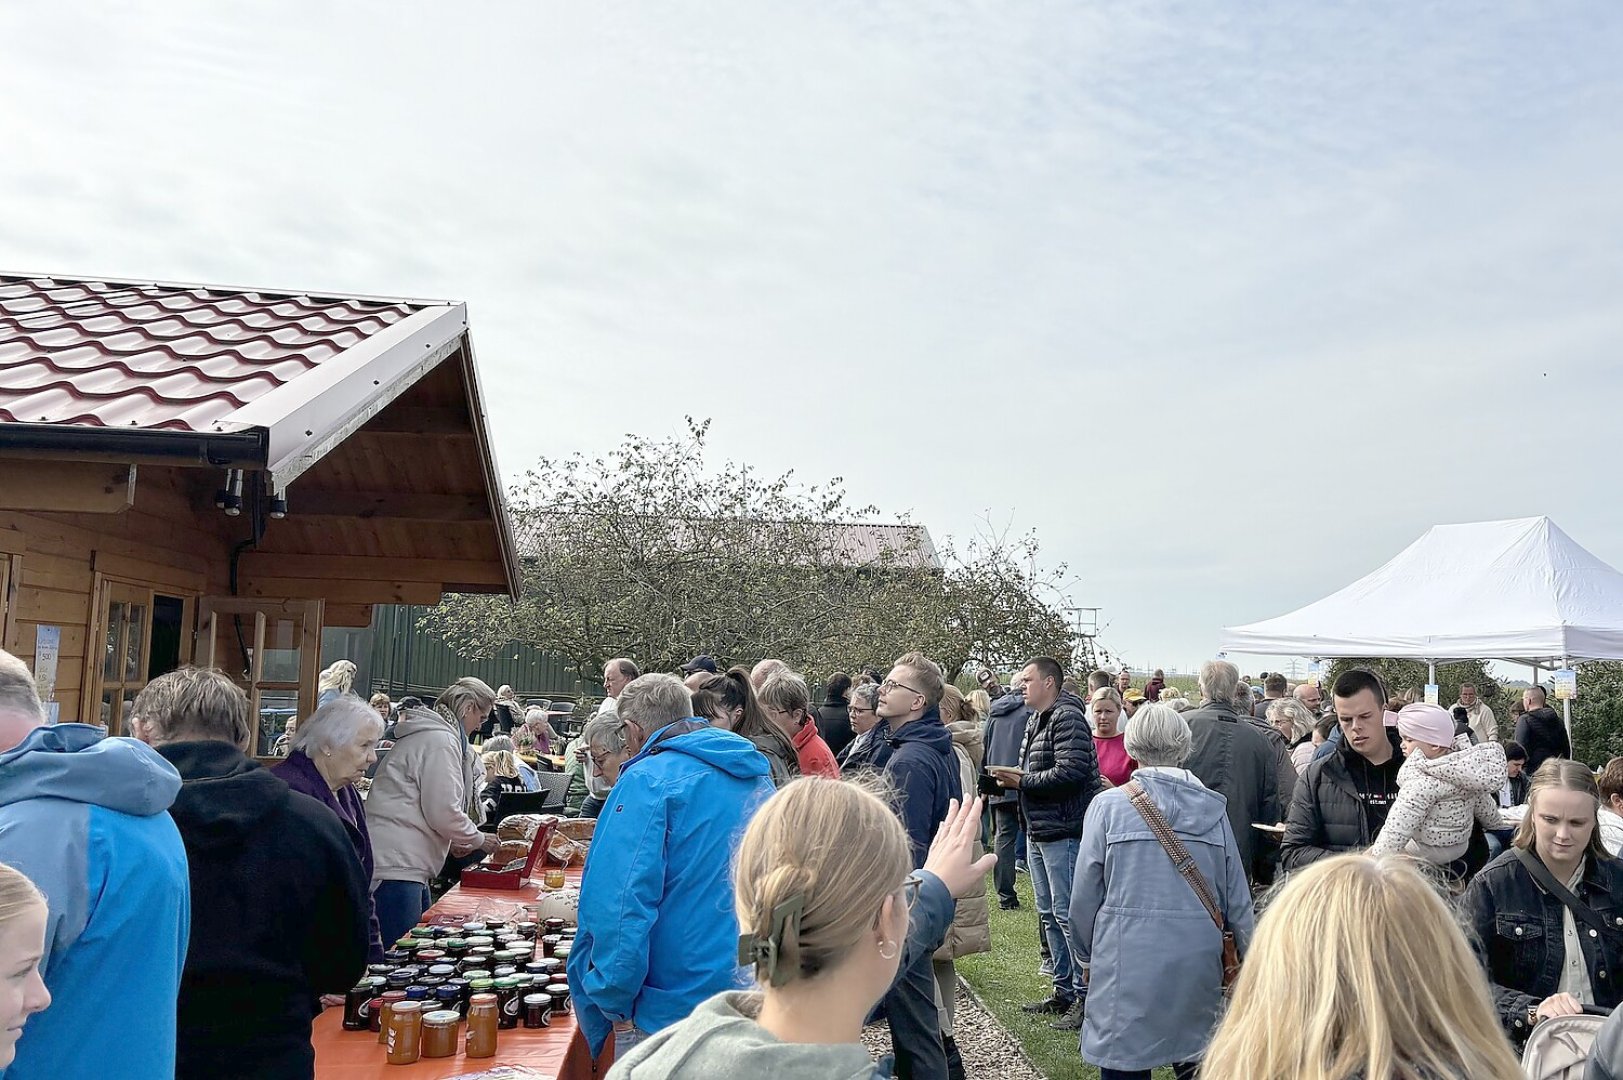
(924, 771)
(658, 934)
(1005, 734)
(84, 817)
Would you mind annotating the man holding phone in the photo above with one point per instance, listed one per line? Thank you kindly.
(1057, 778)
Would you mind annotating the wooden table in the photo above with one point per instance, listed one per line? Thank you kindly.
(558, 1051)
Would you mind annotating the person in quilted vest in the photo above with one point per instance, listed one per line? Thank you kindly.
(1445, 782)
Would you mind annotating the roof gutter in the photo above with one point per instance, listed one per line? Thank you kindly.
(238, 449)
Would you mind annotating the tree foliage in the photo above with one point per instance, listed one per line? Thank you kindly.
(1399, 676)
(648, 553)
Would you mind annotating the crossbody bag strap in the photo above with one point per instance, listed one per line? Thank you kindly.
(1182, 861)
(1541, 874)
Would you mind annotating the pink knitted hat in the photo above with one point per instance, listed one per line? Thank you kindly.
(1429, 724)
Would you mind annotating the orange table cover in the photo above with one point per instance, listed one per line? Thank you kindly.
(557, 1051)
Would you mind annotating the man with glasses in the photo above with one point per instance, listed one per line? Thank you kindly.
(1057, 780)
(923, 772)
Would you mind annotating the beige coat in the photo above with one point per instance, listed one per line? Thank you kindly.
(971, 930)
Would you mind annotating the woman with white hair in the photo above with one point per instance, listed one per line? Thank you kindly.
(1151, 950)
(1294, 721)
(332, 751)
(424, 803)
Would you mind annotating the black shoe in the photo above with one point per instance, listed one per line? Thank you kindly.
(1052, 1006)
(955, 1063)
(1072, 1020)
(1009, 905)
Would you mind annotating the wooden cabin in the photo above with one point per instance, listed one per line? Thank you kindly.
(208, 475)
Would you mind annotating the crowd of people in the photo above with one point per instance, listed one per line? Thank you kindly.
(1427, 894)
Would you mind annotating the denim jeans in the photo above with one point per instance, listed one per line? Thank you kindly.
(400, 904)
(625, 1041)
(915, 1023)
(1005, 831)
(1182, 1071)
(1053, 868)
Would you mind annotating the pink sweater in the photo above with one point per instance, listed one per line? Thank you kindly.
(1114, 764)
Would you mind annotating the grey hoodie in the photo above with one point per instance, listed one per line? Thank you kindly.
(721, 1038)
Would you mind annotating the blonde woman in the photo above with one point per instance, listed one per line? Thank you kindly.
(23, 917)
(1543, 958)
(501, 775)
(337, 679)
(825, 927)
(1358, 970)
(1293, 720)
(1116, 765)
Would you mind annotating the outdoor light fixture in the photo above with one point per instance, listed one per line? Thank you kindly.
(278, 508)
(233, 493)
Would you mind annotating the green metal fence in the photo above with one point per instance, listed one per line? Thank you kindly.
(394, 656)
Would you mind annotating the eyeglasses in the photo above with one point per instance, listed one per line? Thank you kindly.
(858, 708)
(599, 759)
(892, 684)
(910, 890)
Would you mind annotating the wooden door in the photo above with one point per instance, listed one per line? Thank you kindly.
(270, 648)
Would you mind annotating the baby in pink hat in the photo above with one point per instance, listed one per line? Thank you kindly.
(1444, 784)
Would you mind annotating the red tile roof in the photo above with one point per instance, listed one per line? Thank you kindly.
(159, 356)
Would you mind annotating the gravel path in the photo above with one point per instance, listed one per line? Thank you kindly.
(987, 1047)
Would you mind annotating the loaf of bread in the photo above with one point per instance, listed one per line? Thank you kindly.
(511, 850)
(522, 826)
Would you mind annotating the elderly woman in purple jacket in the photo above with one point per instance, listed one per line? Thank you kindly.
(331, 751)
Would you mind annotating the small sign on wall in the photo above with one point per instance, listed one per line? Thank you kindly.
(47, 650)
(1566, 684)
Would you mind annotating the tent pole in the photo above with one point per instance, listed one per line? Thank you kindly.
(1566, 707)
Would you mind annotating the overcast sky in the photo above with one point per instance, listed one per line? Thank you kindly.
(1228, 302)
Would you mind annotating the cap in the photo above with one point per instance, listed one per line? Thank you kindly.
(701, 662)
(1133, 695)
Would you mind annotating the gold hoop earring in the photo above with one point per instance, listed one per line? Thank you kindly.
(894, 950)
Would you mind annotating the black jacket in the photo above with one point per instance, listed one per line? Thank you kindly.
(1606, 1059)
(1061, 771)
(1326, 814)
(1234, 759)
(279, 916)
(834, 724)
(1004, 737)
(1518, 935)
(1544, 736)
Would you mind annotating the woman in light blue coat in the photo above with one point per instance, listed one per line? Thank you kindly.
(1154, 957)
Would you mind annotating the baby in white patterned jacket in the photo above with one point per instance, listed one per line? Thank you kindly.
(1444, 784)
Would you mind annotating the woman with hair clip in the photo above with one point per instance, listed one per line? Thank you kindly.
(826, 927)
(1548, 912)
(1358, 971)
(23, 916)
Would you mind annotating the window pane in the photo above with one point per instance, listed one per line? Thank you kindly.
(115, 624)
(281, 663)
(109, 707)
(133, 642)
(276, 709)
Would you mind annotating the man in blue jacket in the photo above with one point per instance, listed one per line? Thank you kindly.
(1005, 733)
(658, 934)
(85, 817)
(924, 774)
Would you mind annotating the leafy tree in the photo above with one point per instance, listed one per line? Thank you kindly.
(647, 553)
(1399, 676)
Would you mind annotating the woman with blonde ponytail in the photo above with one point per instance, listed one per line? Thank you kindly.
(825, 928)
(22, 944)
(1358, 971)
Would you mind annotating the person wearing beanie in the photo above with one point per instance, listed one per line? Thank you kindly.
(1446, 782)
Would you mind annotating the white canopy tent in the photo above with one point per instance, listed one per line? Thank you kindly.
(1494, 590)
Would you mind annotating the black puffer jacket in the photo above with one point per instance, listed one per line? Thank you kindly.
(1519, 935)
(1061, 771)
(1326, 814)
(1606, 1059)
(1543, 735)
(834, 724)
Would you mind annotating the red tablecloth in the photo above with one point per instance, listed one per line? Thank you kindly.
(557, 1051)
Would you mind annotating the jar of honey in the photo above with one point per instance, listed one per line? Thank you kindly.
(482, 1023)
(439, 1033)
(382, 1021)
(405, 1032)
(553, 878)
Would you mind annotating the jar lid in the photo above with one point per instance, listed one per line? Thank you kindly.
(442, 1018)
(401, 1007)
(481, 986)
(482, 999)
(395, 995)
(538, 999)
(558, 988)
(506, 984)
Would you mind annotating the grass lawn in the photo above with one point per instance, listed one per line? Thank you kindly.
(1006, 978)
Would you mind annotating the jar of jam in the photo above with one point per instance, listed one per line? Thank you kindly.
(560, 996)
(550, 943)
(448, 997)
(507, 1003)
(374, 1014)
(399, 980)
(405, 1032)
(380, 969)
(555, 925)
(483, 952)
(389, 999)
(503, 971)
(439, 1033)
(481, 986)
(537, 967)
(477, 941)
(562, 953)
(551, 967)
(430, 981)
(357, 1014)
(430, 956)
(416, 993)
(396, 957)
(525, 930)
(475, 927)
(482, 1026)
(537, 1010)
(455, 948)
(478, 974)
(420, 932)
(442, 971)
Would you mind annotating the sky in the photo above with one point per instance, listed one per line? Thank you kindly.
(1227, 302)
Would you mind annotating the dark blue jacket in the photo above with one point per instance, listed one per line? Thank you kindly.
(924, 771)
(1062, 771)
(1005, 731)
